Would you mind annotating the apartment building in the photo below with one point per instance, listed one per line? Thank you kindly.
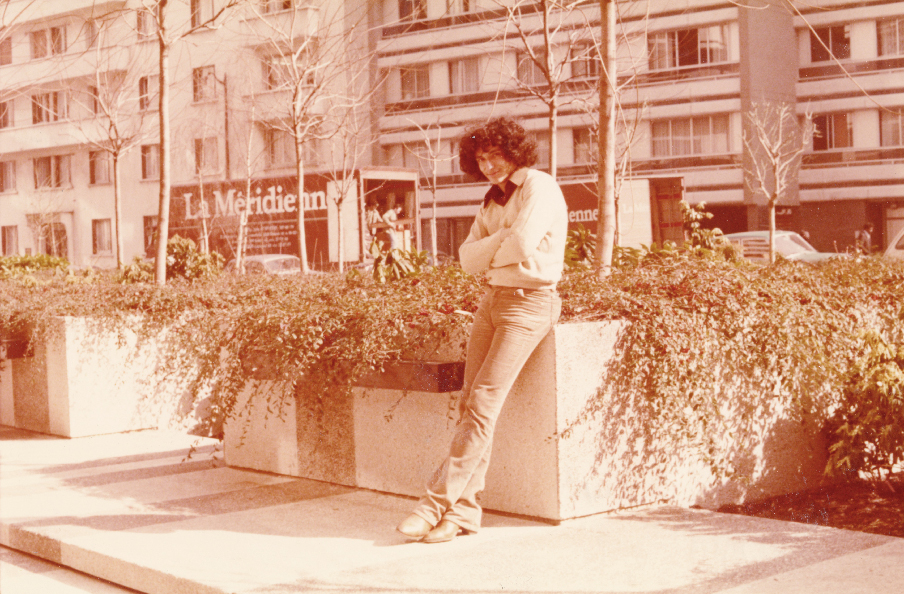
(80, 92)
(689, 73)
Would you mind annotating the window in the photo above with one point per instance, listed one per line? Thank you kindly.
(51, 172)
(827, 42)
(415, 156)
(586, 145)
(280, 148)
(416, 82)
(279, 73)
(204, 83)
(145, 23)
(268, 6)
(99, 167)
(201, 12)
(459, 6)
(6, 114)
(90, 33)
(101, 240)
(150, 161)
(529, 72)
(147, 92)
(48, 107)
(10, 240)
(7, 176)
(48, 42)
(705, 135)
(53, 239)
(311, 152)
(196, 16)
(93, 99)
(463, 76)
(412, 10)
(6, 51)
(542, 140)
(206, 158)
(892, 128)
(832, 131)
(688, 47)
(150, 235)
(585, 62)
(891, 37)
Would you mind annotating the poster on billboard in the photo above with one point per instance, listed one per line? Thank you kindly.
(210, 214)
(635, 221)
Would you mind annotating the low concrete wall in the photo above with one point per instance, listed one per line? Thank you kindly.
(89, 379)
(567, 444)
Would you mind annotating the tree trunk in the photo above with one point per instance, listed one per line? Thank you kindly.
(243, 231)
(341, 233)
(772, 202)
(163, 211)
(302, 242)
(553, 137)
(606, 148)
(117, 211)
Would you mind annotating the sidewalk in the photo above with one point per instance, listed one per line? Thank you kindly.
(130, 509)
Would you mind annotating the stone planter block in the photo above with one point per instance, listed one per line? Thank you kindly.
(86, 379)
(568, 443)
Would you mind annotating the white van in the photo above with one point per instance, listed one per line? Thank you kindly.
(896, 246)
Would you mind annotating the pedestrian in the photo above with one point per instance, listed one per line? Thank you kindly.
(372, 219)
(390, 217)
(863, 239)
(518, 241)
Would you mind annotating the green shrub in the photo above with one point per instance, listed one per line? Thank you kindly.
(866, 431)
(23, 265)
(397, 264)
(580, 248)
(183, 260)
(703, 333)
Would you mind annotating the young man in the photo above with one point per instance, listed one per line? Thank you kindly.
(518, 241)
(863, 240)
(395, 230)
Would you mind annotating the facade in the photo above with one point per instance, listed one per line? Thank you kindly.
(80, 91)
(689, 73)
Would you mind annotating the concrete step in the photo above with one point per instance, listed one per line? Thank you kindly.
(133, 510)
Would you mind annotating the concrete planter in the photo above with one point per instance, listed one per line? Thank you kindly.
(551, 459)
(88, 379)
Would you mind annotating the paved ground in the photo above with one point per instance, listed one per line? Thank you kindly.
(26, 574)
(131, 509)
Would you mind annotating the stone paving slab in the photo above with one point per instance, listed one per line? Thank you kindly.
(24, 574)
(133, 510)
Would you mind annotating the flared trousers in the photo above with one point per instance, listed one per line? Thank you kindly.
(508, 326)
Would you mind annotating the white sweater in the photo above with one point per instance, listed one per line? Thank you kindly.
(521, 244)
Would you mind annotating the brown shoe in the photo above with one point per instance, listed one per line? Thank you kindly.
(414, 526)
(445, 531)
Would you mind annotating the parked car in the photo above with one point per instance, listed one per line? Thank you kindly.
(754, 245)
(280, 264)
(895, 247)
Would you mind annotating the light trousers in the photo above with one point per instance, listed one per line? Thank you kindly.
(508, 326)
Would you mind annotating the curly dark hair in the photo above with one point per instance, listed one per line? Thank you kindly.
(503, 133)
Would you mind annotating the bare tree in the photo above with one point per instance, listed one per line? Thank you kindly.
(554, 37)
(350, 139)
(608, 214)
(158, 13)
(775, 141)
(430, 154)
(309, 62)
(250, 161)
(118, 124)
